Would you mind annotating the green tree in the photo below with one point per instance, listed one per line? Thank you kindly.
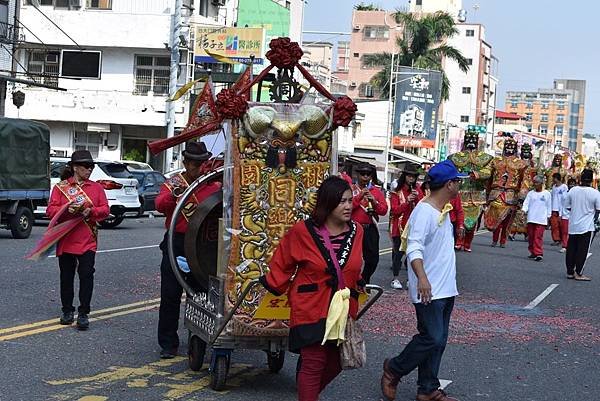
(134, 155)
(422, 45)
(366, 7)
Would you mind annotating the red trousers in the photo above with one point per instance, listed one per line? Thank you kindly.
(564, 232)
(464, 242)
(319, 365)
(558, 233)
(501, 232)
(535, 236)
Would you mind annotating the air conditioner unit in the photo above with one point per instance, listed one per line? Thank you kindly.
(353, 84)
(219, 2)
(75, 3)
(52, 58)
(357, 27)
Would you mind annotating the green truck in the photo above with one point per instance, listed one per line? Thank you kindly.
(24, 173)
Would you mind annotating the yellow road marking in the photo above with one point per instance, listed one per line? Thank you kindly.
(98, 312)
(60, 326)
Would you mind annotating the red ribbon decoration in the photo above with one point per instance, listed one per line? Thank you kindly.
(344, 110)
(231, 104)
(284, 53)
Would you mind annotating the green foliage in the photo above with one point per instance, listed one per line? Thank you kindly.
(422, 45)
(367, 7)
(134, 155)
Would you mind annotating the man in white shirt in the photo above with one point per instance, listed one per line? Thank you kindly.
(583, 202)
(559, 190)
(432, 287)
(538, 206)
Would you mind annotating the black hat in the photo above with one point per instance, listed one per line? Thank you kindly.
(366, 167)
(587, 175)
(411, 169)
(196, 151)
(81, 156)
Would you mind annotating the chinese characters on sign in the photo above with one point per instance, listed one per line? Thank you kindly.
(239, 44)
(418, 95)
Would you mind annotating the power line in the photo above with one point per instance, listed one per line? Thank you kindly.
(56, 25)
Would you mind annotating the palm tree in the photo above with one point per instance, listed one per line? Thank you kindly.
(366, 7)
(422, 45)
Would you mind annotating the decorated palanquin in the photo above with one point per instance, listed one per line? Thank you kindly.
(505, 185)
(477, 164)
(277, 154)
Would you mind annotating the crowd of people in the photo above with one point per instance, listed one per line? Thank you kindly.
(325, 262)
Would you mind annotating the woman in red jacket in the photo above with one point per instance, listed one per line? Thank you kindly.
(303, 255)
(76, 251)
(402, 202)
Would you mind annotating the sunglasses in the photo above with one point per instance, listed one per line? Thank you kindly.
(88, 166)
(364, 172)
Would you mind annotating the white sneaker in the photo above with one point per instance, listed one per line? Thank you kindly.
(396, 284)
(563, 250)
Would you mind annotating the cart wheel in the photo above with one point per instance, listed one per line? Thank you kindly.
(218, 375)
(196, 351)
(275, 361)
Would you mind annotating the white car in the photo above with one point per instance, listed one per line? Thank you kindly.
(135, 165)
(119, 185)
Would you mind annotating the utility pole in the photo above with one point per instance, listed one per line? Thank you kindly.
(174, 45)
(388, 140)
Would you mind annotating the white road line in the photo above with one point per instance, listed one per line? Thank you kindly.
(444, 383)
(120, 249)
(541, 297)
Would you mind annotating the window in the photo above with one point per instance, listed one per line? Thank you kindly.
(464, 119)
(419, 2)
(560, 105)
(44, 66)
(558, 130)
(544, 117)
(152, 75)
(469, 61)
(544, 104)
(514, 103)
(560, 118)
(529, 104)
(368, 91)
(87, 141)
(356, 54)
(543, 129)
(528, 116)
(466, 90)
(99, 4)
(470, 32)
(376, 32)
(529, 128)
(69, 4)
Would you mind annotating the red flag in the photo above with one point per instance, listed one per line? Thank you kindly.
(244, 79)
(204, 118)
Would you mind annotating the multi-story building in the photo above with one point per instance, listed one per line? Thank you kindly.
(555, 114)
(118, 54)
(472, 95)
(372, 32)
(8, 37)
(317, 59)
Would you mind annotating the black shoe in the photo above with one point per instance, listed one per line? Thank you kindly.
(531, 256)
(83, 323)
(539, 258)
(67, 318)
(168, 353)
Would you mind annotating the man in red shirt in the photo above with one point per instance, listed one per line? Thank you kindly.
(368, 203)
(194, 157)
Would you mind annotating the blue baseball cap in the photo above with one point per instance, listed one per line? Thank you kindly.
(443, 172)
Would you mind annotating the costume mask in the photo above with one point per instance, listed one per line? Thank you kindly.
(471, 140)
(526, 152)
(557, 161)
(510, 147)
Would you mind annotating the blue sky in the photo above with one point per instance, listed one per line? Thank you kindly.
(536, 41)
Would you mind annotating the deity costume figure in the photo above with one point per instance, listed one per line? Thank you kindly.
(472, 192)
(503, 195)
(519, 223)
(556, 167)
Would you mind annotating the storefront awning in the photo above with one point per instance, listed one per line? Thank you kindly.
(404, 157)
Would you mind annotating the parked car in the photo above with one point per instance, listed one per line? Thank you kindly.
(135, 165)
(171, 173)
(119, 185)
(149, 182)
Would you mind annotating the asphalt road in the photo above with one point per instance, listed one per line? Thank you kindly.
(498, 348)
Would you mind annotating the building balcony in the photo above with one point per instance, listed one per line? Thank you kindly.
(8, 34)
(97, 106)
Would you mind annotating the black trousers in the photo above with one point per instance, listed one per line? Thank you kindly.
(84, 266)
(396, 255)
(370, 251)
(170, 294)
(577, 250)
